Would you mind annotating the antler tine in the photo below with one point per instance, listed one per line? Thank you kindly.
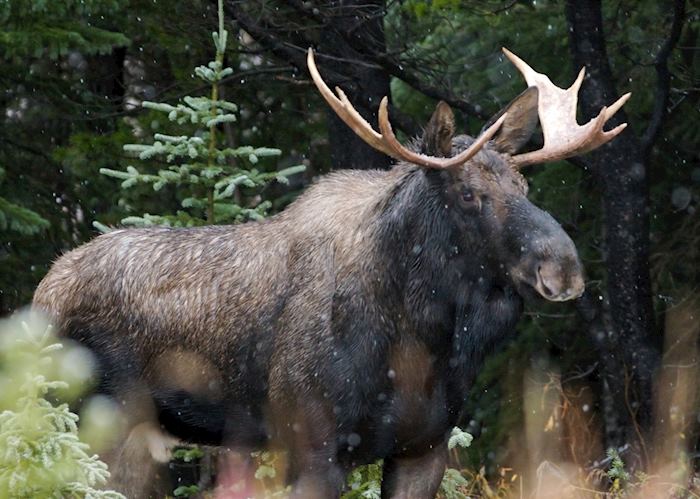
(563, 136)
(576, 86)
(344, 109)
(531, 76)
(617, 105)
(387, 142)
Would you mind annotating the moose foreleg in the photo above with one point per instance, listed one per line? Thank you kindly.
(313, 468)
(417, 477)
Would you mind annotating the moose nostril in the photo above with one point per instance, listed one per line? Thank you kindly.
(546, 290)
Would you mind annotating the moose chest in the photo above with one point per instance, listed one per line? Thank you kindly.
(413, 389)
(405, 414)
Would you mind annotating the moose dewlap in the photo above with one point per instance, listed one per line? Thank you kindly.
(347, 328)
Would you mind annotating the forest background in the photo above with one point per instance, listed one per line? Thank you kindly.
(615, 369)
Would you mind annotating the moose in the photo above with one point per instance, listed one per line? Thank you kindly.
(350, 326)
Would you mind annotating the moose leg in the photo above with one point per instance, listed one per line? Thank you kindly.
(321, 483)
(314, 471)
(139, 466)
(416, 477)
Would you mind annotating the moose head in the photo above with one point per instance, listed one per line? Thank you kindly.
(483, 186)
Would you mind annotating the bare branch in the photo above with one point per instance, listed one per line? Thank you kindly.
(364, 46)
(392, 67)
(663, 84)
(280, 48)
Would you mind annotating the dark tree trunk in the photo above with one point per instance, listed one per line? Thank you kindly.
(365, 84)
(105, 79)
(625, 334)
(343, 26)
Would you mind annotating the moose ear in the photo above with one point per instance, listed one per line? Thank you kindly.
(520, 123)
(437, 137)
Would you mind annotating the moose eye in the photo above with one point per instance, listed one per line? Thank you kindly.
(467, 195)
(470, 200)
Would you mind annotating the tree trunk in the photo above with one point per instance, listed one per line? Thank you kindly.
(625, 334)
(105, 79)
(364, 83)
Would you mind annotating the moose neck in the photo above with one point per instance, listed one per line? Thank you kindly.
(432, 264)
(449, 291)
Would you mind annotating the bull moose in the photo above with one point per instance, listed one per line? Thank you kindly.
(348, 327)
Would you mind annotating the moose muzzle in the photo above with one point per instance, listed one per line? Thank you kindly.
(544, 256)
(557, 282)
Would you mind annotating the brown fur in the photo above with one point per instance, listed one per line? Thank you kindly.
(347, 328)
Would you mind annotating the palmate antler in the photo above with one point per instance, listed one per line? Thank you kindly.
(386, 142)
(556, 107)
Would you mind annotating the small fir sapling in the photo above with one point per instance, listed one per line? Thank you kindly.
(220, 182)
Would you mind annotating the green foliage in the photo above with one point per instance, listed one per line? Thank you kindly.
(41, 455)
(459, 438)
(186, 491)
(216, 184)
(421, 9)
(268, 485)
(452, 483)
(365, 482)
(188, 454)
(37, 28)
(265, 465)
(617, 473)
(19, 219)
(46, 50)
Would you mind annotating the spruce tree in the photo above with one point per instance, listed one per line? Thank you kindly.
(217, 184)
(53, 29)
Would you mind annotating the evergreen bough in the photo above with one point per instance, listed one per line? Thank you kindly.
(43, 27)
(18, 218)
(212, 176)
(41, 455)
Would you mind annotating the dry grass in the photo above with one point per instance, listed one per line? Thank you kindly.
(561, 435)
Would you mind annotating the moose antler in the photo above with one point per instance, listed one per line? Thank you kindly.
(386, 142)
(563, 136)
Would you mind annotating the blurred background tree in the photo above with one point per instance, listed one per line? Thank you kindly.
(77, 74)
(47, 50)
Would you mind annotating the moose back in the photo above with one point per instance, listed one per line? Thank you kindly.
(345, 329)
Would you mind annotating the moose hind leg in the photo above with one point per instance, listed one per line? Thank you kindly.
(139, 467)
(416, 477)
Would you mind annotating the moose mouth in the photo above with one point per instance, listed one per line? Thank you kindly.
(545, 282)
